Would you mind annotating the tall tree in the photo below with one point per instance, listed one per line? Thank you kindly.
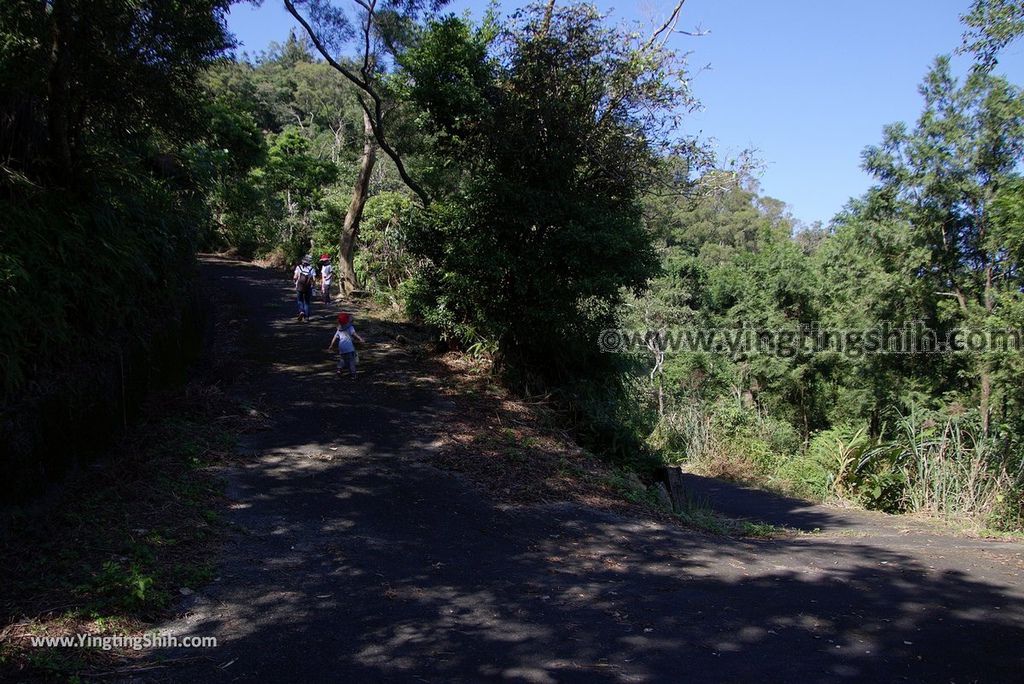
(557, 129)
(729, 261)
(354, 215)
(100, 103)
(369, 31)
(74, 60)
(941, 179)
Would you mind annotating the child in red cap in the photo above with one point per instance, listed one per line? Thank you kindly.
(326, 275)
(346, 347)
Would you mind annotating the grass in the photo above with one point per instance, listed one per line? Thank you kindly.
(697, 514)
(703, 517)
(926, 463)
(517, 450)
(111, 551)
(1003, 535)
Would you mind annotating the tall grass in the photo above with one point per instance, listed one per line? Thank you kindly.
(950, 470)
(725, 440)
(687, 434)
(926, 462)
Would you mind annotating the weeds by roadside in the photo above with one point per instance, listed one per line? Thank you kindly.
(113, 548)
(694, 513)
(118, 545)
(519, 451)
(927, 463)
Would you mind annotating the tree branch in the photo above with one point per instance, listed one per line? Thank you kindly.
(547, 17)
(318, 44)
(669, 26)
(376, 118)
(376, 112)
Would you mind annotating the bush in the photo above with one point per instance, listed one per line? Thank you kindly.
(931, 462)
(78, 276)
(96, 307)
(727, 440)
(382, 261)
(826, 468)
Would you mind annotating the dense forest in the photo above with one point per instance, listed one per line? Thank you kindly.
(519, 186)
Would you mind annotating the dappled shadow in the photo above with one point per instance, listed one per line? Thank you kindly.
(444, 586)
(355, 559)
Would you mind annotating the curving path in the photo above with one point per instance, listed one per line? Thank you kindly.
(352, 559)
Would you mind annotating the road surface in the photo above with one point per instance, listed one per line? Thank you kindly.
(351, 558)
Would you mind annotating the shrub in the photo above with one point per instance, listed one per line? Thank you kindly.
(382, 261)
(946, 467)
(726, 440)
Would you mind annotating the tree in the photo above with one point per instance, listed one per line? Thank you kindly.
(222, 162)
(296, 179)
(551, 142)
(992, 25)
(101, 104)
(869, 270)
(325, 105)
(78, 58)
(375, 28)
(354, 215)
(941, 179)
(729, 262)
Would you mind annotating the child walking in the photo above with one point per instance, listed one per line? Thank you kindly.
(326, 275)
(346, 348)
(303, 278)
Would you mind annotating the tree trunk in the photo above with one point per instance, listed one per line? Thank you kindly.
(547, 17)
(986, 370)
(350, 231)
(58, 86)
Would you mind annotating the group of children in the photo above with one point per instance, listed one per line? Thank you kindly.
(305, 277)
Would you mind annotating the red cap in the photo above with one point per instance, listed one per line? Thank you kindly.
(344, 318)
(325, 257)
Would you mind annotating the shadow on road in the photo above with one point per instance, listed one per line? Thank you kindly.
(354, 559)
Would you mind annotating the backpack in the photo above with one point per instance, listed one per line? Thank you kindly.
(304, 281)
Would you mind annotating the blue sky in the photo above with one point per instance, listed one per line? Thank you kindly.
(807, 83)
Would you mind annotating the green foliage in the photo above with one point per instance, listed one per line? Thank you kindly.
(128, 249)
(941, 185)
(292, 171)
(67, 68)
(383, 261)
(279, 165)
(555, 200)
(729, 262)
(101, 115)
(125, 588)
(944, 465)
(104, 222)
(992, 25)
(536, 244)
(938, 241)
(451, 77)
(541, 138)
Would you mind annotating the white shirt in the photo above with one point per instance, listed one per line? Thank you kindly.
(344, 337)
